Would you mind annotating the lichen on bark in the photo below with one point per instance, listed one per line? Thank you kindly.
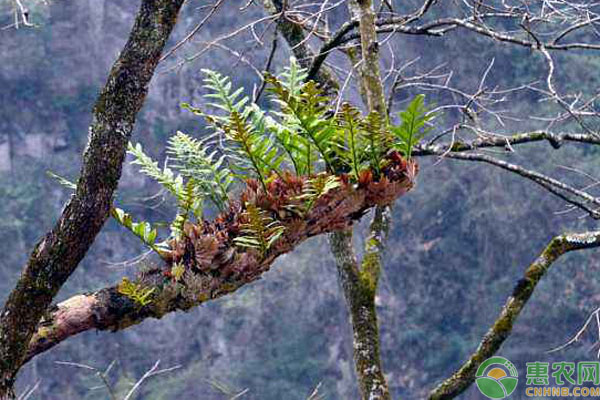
(57, 255)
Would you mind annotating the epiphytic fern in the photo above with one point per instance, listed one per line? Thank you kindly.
(260, 230)
(307, 114)
(250, 148)
(413, 126)
(377, 141)
(301, 133)
(187, 194)
(143, 230)
(316, 187)
(221, 94)
(293, 77)
(209, 171)
(172, 182)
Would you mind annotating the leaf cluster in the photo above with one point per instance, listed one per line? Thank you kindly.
(260, 231)
(300, 133)
(137, 292)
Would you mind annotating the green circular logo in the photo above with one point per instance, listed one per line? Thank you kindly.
(497, 378)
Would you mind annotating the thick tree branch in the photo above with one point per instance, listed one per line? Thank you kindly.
(360, 288)
(215, 266)
(502, 327)
(57, 255)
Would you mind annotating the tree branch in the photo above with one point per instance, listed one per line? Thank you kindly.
(502, 327)
(57, 255)
(294, 36)
(215, 266)
(360, 283)
(576, 197)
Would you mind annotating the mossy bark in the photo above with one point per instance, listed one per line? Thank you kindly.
(370, 70)
(225, 267)
(57, 255)
(360, 283)
(360, 287)
(502, 327)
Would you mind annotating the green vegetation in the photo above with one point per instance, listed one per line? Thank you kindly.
(300, 136)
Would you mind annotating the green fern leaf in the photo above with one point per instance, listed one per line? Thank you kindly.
(211, 176)
(260, 231)
(413, 126)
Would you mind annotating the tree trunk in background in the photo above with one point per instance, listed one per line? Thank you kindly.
(57, 255)
(360, 283)
(296, 39)
(360, 287)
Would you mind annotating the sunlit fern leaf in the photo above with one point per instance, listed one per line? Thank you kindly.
(190, 204)
(316, 187)
(260, 231)
(250, 147)
(221, 94)
(349, 123)
(375, 141)
(293, 77)
(145, 231)
(250, 151)
(296, 147)
(140, 294)
(209, 171)
(142, 229)
(307, 115)
(413, 126)
(164, 176)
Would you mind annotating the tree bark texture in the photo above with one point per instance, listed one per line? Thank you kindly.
(359, 282)
(214, 265)
(502, 327)
(360, 287)
(59, 252)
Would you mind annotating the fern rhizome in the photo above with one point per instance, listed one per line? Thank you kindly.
(273, 178)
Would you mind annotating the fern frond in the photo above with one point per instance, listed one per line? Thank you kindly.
(413, 126)
(190, 203)
(295, 146)
(165, 177)
(316, 187)
(377, 140)
(306, 114)
(221, 94)
(349, 121)
(293, 77)
(143, 230)
(251, 151)
(260, 231)
(211, 176)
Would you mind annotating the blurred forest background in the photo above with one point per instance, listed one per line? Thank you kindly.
(460, 240)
